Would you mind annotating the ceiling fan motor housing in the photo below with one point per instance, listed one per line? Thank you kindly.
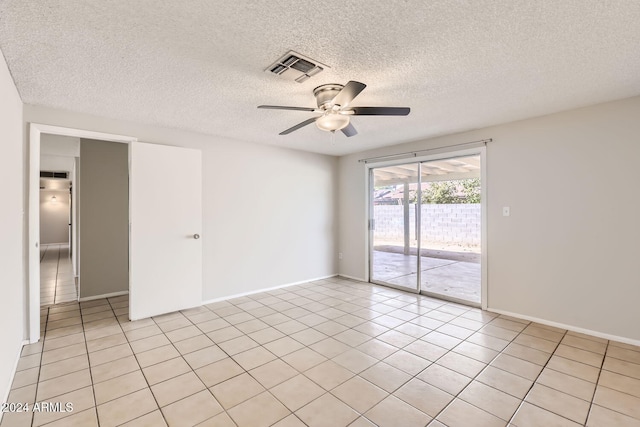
(333, 103)
(325, 93)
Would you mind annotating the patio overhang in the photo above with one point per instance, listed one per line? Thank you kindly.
(441, 170)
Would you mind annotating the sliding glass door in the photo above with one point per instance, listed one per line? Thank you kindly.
(451, 228)
(426, 227)
(394, 220)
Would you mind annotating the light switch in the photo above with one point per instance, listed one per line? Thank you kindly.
(506, 211)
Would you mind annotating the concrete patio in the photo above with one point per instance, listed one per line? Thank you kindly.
(447, 277)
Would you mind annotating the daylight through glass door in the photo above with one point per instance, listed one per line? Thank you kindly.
(394, 239)
(426, 228)
(450, 231)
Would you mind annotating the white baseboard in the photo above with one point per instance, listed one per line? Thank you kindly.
(112, 294)
(568, 327)
(352, 277)
(257, 291)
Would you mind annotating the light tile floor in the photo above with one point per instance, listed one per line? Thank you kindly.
(331, 353)
(57, 284)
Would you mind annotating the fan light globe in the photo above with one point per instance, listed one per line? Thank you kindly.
(332, 122)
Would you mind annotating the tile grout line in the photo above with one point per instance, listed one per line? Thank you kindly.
(192, 369)
(227, 355)
(219, 316)
(86, 346)
(370, 339)
(362, 414)
(139, 367)
(120, 358)
(456, 396)
(595, 389)
(522, 331)
(268, 390)
(419, 339)
(476, 330)
(317, 298)
(245, 371)
(188, 364)
(192, 322)
(55, 289)
(535, 381)
(35, 397)
(431, 364)
(512, 341)
(44, 253)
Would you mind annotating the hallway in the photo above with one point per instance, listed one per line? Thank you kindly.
(57, 283)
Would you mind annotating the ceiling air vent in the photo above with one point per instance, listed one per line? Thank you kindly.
(50, 174)
(296, 67)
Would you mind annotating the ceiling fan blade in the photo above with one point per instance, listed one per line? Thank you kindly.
(380, 111)
(280, 107)
(349, 130)
(348, 92)
(299, 125)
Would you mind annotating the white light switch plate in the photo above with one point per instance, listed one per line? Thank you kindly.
(506, 211)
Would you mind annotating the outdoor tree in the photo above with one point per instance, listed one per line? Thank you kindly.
(440, 193)
(471, 189)
(446, 192)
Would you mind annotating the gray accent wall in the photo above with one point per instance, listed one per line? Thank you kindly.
(104, 218)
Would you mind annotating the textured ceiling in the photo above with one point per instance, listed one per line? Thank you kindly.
(199, 65)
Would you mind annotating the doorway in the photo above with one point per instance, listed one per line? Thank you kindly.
(58, 243)
(164, 260)
(427, 226)
(38, 134)
(98, 239)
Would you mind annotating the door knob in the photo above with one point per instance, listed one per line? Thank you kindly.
(196, 236)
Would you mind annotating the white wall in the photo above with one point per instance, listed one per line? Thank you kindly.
(11, 228)
(269, 213)
(569, 251)
(56, 163)
(54, 216)
(57, 145)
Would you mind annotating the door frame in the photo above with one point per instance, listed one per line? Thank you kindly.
(440, 155)
(36, 130)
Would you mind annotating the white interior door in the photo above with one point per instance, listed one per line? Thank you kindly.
(165, 264)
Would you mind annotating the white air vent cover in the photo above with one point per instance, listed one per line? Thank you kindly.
(296, 67)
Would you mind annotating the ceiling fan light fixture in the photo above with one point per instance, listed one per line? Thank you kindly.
(332, 122)
(333, 102)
